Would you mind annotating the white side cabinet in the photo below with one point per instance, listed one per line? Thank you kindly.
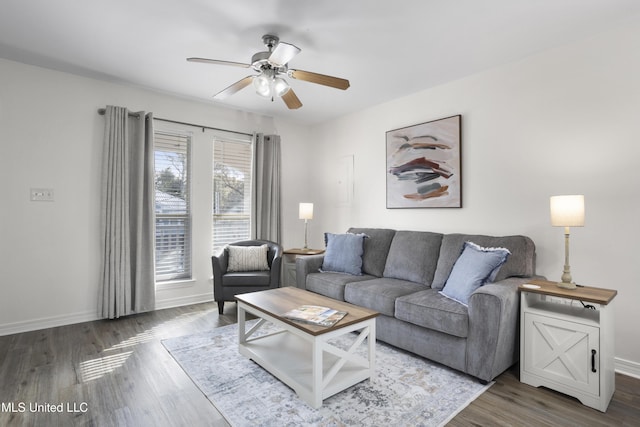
(566, 346)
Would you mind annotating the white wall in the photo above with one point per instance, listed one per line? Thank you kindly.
(295, 179)
(51, 137)
(562, 122)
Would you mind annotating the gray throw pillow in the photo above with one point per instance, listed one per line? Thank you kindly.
(343, 253)
(474, 267)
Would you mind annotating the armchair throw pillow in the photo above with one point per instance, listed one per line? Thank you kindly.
(247, 258)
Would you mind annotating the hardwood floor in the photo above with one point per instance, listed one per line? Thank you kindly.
(117, 373)
(119, 368)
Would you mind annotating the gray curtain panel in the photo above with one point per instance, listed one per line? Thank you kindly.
(267, 216)
(127, 274)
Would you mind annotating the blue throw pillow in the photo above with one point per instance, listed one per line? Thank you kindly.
(343, 253)
(474, 267)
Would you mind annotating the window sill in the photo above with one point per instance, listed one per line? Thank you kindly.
(175, 284)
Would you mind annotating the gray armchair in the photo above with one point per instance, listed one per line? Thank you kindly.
(226, 285)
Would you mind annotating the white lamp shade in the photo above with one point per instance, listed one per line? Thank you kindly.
(567, 211)
(280, 87)
(306, 211)
(262, 85)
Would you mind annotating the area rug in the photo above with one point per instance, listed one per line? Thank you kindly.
(407, 390)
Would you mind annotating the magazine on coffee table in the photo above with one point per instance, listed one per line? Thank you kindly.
(315, 315)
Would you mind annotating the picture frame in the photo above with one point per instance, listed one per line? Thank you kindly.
(424, 165)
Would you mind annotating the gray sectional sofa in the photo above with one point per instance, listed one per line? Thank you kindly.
(402, 274)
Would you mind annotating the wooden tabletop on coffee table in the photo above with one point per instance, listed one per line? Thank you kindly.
(276, 302)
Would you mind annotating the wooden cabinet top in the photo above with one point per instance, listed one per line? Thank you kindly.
(299, 251)
(582, 293)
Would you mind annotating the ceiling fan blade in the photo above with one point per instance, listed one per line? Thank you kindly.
(283, 53)
(320, 79)
(218, 62)
(234, 88)
(292, 101)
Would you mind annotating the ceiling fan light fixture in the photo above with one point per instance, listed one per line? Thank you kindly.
(268, 85)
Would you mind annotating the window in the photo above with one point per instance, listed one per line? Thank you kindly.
(232, 177)
(172, 206)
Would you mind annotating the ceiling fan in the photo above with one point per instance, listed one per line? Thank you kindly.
(271, 65)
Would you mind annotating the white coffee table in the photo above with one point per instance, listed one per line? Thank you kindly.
(301, 355)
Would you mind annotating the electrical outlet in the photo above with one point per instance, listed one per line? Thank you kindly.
(42, 194)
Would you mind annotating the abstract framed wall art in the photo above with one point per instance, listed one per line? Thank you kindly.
(424, 165)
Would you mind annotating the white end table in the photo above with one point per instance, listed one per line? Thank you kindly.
(567, 341)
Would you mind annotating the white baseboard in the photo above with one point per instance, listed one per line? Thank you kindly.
(47, 322)
(89, 316)
(627, 367)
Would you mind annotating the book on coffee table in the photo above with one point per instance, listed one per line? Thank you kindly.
(315, 315)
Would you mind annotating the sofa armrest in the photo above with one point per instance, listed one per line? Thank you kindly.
(306, 265)
(493, 340)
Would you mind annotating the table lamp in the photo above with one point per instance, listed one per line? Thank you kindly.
(567, 211)
(305, 212)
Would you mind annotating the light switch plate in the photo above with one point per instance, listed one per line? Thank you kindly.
(42, 194)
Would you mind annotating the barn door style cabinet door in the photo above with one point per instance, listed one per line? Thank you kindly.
(566, 341)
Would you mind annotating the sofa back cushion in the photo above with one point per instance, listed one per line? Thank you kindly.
(376, 249)
(521, 262)
(413, 256)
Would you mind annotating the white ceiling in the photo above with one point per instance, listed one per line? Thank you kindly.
(385, 49)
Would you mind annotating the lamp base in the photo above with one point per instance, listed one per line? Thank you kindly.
(566, 285)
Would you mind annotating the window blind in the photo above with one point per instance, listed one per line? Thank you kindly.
(232, 180)
(172, 206)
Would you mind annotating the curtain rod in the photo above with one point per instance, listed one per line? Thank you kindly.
(102, 111)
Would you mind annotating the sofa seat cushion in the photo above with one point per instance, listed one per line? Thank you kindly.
(431, 310)
(521, 262)
(332, 284)
(413, 256)
(379, 294)
(247, 278)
